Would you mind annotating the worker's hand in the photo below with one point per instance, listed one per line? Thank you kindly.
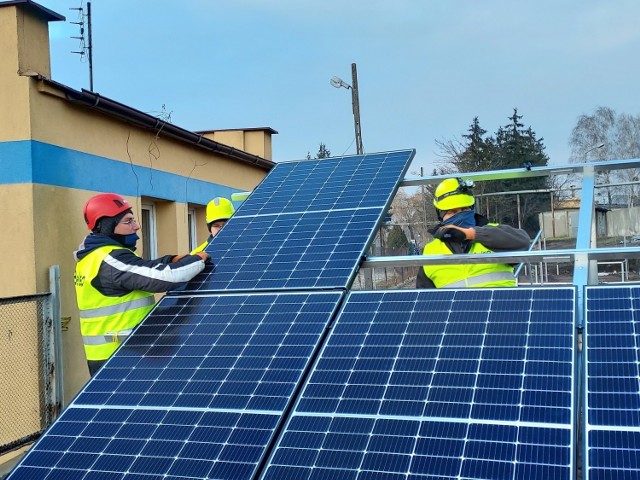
(204, 256)
(177, 258)
(455, 233)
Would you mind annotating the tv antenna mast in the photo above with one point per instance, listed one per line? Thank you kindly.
(86, 44)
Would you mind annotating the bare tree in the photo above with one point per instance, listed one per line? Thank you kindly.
(590, 132)
(606, 135)
(415, 213)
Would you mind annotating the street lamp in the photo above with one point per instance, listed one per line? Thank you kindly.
(355, 102)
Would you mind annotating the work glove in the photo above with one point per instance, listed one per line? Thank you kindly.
(455, 233)
(204, 256)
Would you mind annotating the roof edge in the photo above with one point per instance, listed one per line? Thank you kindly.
(48, 15)
(143, 120)
(250, 129)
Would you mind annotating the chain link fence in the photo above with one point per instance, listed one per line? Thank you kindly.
(23, 410)
(31, 381)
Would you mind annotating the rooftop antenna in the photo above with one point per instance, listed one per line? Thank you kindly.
(86, 46)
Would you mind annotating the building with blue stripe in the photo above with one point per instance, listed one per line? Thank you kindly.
(60, 146)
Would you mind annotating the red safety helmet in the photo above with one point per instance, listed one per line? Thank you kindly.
(103, 205)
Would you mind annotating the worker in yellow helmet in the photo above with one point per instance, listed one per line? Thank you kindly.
(462, 230)
(219, 210)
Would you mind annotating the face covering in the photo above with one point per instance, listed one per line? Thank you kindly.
(464, 219)
(128, 241)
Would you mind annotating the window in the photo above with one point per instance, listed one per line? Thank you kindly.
(149, 228)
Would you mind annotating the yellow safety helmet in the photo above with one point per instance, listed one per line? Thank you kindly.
(219, 209)
(453, 193)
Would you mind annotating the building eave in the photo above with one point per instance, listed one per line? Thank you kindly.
(48, 15)
(268, 130)
(88, 99)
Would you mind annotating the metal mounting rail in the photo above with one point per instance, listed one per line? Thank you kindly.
(551, 256)
(524, 173)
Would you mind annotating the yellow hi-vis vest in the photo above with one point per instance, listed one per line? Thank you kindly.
(473, 275)
(106, 321)
(200, 247)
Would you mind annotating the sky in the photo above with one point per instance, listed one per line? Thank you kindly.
(425, 68)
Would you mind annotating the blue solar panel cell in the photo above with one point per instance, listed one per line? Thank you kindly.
(612, 385)
(454, 385)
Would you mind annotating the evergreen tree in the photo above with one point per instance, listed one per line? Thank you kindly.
(479, 154)
(513, 146)
(517, 147)
(323, 151)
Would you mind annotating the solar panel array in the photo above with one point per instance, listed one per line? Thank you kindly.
(197, 392)
(612, 387)
(439, 384)
(306, 226)
(264, 367)
(199, 389)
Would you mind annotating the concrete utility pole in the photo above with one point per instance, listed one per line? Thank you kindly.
(356, 109)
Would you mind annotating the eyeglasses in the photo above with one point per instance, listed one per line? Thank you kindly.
(129, 221)
(218, 225)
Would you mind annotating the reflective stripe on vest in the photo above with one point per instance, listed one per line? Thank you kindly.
(119, 308)
(480, 279)
(114, 337)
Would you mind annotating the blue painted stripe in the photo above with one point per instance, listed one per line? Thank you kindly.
(15, 162)
(30, 161)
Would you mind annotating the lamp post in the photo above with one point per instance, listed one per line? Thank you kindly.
(355, 102)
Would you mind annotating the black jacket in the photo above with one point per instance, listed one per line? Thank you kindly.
(122, 271)
(499, 238)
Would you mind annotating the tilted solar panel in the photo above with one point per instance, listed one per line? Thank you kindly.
(438, 384)
(196, 392)
(306, 226)
(612, 384)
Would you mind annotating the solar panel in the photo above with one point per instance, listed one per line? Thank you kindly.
(438, 384)
(612, 385)
(196, 392)
(306, 226)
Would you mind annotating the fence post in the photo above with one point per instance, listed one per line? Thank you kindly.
(53, 349)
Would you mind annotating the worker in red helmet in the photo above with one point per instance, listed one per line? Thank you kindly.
(462, 230)
(114, 286)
